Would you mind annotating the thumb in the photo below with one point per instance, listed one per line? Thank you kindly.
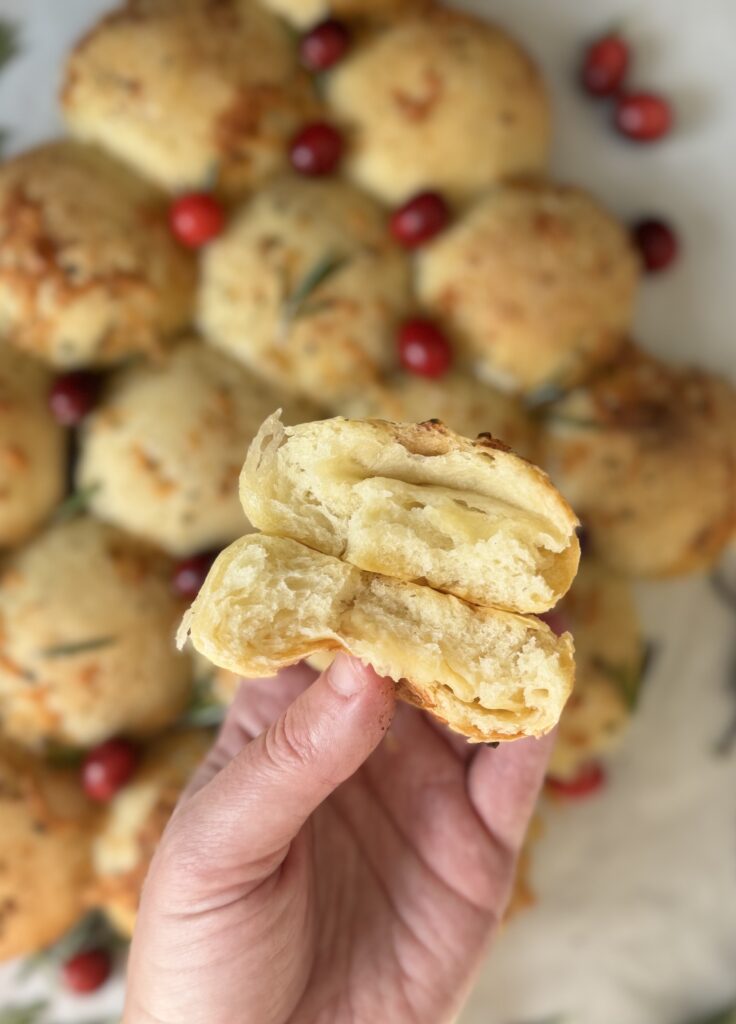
(242, 821)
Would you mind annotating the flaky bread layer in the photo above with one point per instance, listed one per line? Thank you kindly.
(489, 674)
(416, 502)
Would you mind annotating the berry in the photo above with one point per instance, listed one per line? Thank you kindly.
(190, 573)
(589, 780)
(107, 768)
(88, 971)
(643, 116)
(424, 349)
(419, 219)
(656, 242)
(604, 65)
(73, 395)
(316, 149)
(324, 45)
(196, 218)
(556, 620)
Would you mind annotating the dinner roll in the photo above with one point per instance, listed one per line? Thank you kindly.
(190, 93)
(489, 674)
(45, 841)
(89, 272)
(306, 287)
(162, 452)
(135, 820)
(442, 100)
(87, 619)
(416, 502)
(464, 404)
(535, 284)
(646, 454)
(305, 13)
(600, 613)
(32, 447)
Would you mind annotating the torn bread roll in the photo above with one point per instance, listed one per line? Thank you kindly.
(416, 502)
(489, 674)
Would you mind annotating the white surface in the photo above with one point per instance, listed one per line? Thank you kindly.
(636, 919)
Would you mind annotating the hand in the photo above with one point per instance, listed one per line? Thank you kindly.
(321, 870)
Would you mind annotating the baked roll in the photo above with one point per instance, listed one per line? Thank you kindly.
(32, 447)
(45, 851)
(135, 820)
(89, 271)
(162, 452)
(416, 502)
(534, 283)
(87, 622)
(489, 674)
(306, 288)
(440, 100)
(190, 93)
(610, 659)
(464, 404)
(646, 453)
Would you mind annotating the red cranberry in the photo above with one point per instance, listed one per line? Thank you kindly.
(324, 45)
(196, 218)
(88, 971)
(556, 620)
(589, 780)
(419, 219)
(190, 573)
(73, 395)
(643, 116)
(424, 349)
(656, 242)
(107, 768)
(604, 65)
(316, 149)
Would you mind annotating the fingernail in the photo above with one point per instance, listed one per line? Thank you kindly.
(348, 676)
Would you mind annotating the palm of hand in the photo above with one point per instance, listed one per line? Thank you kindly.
(379, 909)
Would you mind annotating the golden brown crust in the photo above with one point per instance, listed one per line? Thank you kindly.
(400, 94)
(535, 284)
(88, 270)
(45, 843)
(87, 617)
(647, 455)
(323, 339)
(190, 90)
(416, 502)
(135, 820)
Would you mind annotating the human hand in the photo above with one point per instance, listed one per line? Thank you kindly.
(319, 870)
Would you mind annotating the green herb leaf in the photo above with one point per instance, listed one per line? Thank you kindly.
(582, 422)
(296, 305)
(722, 1017)
(92, 932)
(76, 503)
(204, 711)
(9, 41)
(77, 647)
(29, 1014)
(628, 679)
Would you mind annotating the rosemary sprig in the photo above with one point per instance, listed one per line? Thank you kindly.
(9, 41)
(77, 647)
(583, 422)
(628, 679)
(722, 1017)
(204, 712)
(297, 303)
(29, 1014)
(76, 503)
